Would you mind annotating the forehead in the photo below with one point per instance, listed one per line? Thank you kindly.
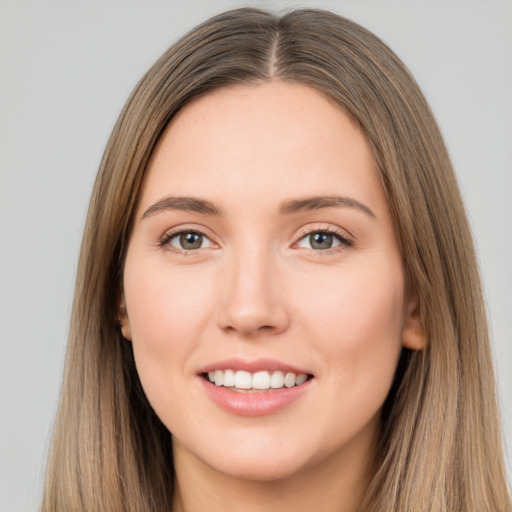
(247, 141)
(278, 112)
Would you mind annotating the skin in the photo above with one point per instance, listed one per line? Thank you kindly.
(258, 289)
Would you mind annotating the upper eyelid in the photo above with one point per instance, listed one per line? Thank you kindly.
(334, 230)
(187, 228)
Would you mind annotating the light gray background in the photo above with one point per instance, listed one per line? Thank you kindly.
(66, 69)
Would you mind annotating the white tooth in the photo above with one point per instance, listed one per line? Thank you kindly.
(219, 377)
(229, 378)
(261, 380)
(289, 380)
(300, 379)
(211, 376)
(243, 380)
(277, 380)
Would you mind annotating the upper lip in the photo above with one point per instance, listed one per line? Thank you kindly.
(256, 365)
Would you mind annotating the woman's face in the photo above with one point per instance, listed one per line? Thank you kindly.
(263, 249)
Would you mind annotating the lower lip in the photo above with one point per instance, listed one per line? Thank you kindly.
(254, 404)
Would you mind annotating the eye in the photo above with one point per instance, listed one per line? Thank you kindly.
(187, 240)
(323, 240)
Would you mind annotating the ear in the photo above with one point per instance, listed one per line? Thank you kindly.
(414, 335)
(122, 319)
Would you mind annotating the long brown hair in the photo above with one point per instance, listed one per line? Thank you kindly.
(440, 446)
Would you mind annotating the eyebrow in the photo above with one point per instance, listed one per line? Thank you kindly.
(186, 204)
(318, 202)
(290, 206)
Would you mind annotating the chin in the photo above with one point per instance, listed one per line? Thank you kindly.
(260, 461)
(259, 469)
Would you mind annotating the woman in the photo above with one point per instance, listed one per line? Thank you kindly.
(277, 301)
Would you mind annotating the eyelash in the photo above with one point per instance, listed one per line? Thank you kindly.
(344, 241)
(164, 241)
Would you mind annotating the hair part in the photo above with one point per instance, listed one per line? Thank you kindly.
(440, 446)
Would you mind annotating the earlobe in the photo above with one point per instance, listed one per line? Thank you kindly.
(123, 321)
(414, 336)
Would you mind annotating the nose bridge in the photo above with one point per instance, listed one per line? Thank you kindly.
(251, 299)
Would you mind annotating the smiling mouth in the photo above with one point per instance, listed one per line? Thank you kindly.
(258, 382)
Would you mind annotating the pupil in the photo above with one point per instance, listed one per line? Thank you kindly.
(191, 240)
(321, 241)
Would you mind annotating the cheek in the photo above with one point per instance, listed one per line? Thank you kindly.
(349, 300)
(165, 306)
(167, 311)
(365, 319)
(355, 320)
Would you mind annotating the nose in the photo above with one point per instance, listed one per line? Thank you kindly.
(252, 300)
